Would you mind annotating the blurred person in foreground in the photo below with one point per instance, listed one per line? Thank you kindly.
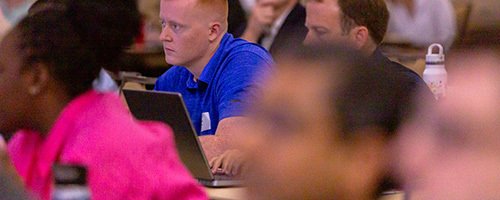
(322, 127)
(449, 149)
(48, 63)
(104, 82)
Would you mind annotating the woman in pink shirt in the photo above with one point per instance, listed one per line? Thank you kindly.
(47, 65)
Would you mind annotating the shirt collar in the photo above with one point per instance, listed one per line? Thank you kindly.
(378, 56)
(211, 68)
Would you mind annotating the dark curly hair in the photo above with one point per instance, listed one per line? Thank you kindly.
(77, 39)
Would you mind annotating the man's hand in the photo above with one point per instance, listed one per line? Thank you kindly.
(260, 22)
(230, 162)
(227, 134)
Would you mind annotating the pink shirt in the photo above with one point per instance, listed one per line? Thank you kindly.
(125, 158)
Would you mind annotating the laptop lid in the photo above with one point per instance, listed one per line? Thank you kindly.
(168, 107)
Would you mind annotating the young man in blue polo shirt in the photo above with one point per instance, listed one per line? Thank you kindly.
(215, 73)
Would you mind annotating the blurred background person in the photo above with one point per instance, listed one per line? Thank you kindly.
(236, 16)
(48, 62)
(322, 127)
(449, 150)
(15, 10)
(275, 25)
(359, 24)
(421, 22)
(247, 5)
(4, 25)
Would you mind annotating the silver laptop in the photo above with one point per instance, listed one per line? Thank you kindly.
(168, 107)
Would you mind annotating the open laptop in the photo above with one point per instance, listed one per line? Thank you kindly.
(168, 107)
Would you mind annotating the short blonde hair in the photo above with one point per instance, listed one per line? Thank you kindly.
(219, 9)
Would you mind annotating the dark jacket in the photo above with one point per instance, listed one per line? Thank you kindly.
(291, 34)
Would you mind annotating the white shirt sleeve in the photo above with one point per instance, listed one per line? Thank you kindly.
(445, 24)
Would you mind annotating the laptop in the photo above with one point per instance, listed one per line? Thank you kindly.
(169, 107)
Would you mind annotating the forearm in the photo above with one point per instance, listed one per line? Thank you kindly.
(214, 145)
(223, 140)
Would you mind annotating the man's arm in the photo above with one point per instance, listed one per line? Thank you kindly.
(223, 140)
(259, 22)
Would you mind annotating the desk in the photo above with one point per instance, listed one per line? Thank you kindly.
(236, 193)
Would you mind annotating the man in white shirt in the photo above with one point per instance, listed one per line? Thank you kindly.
(421, 22)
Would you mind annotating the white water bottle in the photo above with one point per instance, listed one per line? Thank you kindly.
(435, 75)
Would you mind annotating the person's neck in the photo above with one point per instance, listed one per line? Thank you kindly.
(48, 110)
(197, 67)
(369, 48)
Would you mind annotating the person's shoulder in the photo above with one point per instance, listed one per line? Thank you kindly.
(404, 75)
(242, 48)
(406, 72)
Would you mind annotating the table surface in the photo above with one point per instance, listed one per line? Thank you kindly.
(234, 193)
(238, 193)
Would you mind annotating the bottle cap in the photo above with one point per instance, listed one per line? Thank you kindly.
(435, 58)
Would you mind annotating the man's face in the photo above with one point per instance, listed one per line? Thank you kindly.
(184, 32)
(324, 23)
(294, 138)
(450, 150)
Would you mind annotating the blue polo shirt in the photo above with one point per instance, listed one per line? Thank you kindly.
(225, 85)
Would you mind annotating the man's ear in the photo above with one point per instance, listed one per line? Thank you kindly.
(360, 36)
(215, 29)
(37, 78)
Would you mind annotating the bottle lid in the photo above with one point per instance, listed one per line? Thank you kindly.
(432, 57)
(69, 174)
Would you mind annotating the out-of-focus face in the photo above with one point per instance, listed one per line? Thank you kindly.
(324, 23)
(450, 149)
(294, 153)
(277, 7)
(14, 97)
(185, 32)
